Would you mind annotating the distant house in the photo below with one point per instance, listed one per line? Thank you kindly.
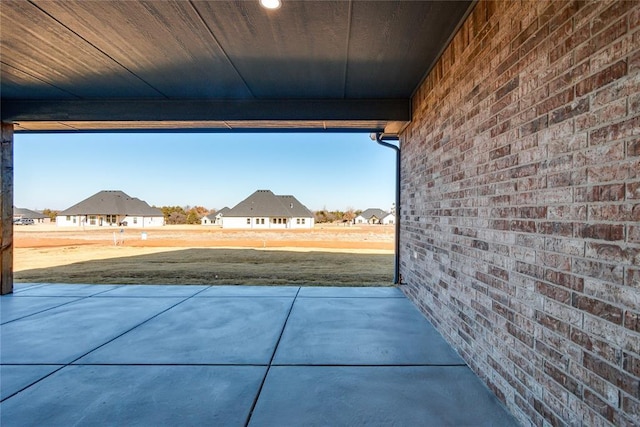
(37, 217)
(265, 210)
(374, 216)
(214, 218)
(389, 219)
(110, 208)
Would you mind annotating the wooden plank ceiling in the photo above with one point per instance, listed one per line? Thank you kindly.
(217, 65)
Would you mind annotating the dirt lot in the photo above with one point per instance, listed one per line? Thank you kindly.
(329, 255)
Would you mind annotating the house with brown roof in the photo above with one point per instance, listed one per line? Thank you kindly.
(110, 208)
(265, 210)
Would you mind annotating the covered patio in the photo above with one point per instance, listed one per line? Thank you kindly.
(515, 125)
(231, 356)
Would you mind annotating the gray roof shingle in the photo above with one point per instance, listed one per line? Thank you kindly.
(28, 213)
(371, 212)
(221, 212)
(263, 203)
(110, 202)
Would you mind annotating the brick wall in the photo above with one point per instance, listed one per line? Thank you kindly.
(520, 223)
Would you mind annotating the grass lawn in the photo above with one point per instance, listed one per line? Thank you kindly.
(333, 258)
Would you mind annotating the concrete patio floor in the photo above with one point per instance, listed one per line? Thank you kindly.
(230, 356)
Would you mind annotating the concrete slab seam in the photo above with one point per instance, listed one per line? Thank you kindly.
(273, 354)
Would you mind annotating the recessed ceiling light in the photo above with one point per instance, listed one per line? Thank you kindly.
(270, 4)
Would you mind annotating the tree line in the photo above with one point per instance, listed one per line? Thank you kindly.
(194, 214)
(184, 215)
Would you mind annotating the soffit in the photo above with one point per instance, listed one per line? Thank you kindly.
(217, 65)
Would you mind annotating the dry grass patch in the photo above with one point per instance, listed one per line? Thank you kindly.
(214, 266)
(353, 256)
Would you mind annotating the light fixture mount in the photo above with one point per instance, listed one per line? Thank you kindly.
(271, 4)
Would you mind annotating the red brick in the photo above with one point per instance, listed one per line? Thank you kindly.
(563, 379)
(559, 294)
(634, 104)
(602, 39)
(612, 252)
(617, 9)
(519, 334)
(570, 77)
(500, 152)
(615, 131)
(597, 308)
(504, 116)
(567, 45)
(503, 311)
(598, 347)
(614, 111)
(561, 12)
(614, 375)
(553, 324)
(634, 62)
(609, 232)
(478, 244)
(631, 364)
(633, 277)
(573, 247)
(568, 144)
(559, 180)
(499, 272)
(560, 163)
(524, 170)
(569, 281)
(632, 321)
(599, 405)
(600, 193)
(570, 111)
(634, 18)
(607, 272)
(534, 212)
(546, 413)
(586, 13)
(534, 126)
(609, 172)
(513, 84)
(632, 408)
(604, 77)
(522, 226)
(633, 190)
(521, 199)
(625, 212)
(555, 228)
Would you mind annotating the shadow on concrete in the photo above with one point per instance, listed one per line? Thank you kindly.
(225, 266)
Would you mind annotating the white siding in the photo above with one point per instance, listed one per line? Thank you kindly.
(101, 221)
(236, 222)
(389, 219)
(306, 222)
(67, 221)
(277, 223)
(144, 221)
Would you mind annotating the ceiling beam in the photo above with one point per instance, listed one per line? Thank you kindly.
(219, 110)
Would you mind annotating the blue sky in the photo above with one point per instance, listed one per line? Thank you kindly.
(332, 170)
